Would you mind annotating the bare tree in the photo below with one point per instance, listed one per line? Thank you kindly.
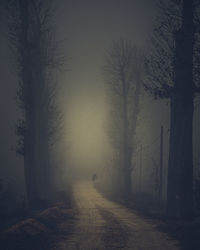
(31, 36)
(123, 76)
(170, 74)
(47, 61)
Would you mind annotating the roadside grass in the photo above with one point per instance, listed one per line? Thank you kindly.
(40, 230)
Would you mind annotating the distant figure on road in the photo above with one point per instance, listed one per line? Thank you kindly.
(94, 177)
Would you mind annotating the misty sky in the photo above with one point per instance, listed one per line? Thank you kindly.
(88, 28)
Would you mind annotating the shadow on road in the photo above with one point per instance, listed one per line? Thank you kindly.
(115, 235)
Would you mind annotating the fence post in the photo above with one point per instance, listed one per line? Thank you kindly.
(161, 166)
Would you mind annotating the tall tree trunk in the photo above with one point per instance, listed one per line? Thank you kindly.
(44, 169)
(129, 128)
(126, 149)
(180, 171)
(28, 90)
(42, 126)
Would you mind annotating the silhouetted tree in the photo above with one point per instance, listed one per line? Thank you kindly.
(170, 71)
(31, 34)
(47, 60)
(123, 76)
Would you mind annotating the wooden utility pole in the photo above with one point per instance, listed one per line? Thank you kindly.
(161, 166)
(140, 173)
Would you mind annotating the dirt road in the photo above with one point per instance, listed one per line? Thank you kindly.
(103, 224)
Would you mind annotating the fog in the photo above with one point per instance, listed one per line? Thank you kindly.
(85, 30)
(99, 106)
(84, 99)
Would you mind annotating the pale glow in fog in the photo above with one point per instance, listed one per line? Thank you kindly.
(86, 129)
(86, 134)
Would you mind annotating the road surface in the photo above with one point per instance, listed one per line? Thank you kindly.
(103, 224)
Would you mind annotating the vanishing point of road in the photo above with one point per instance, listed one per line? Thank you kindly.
(104, 224)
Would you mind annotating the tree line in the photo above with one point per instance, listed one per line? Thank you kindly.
(32, 38)
(169, 70)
